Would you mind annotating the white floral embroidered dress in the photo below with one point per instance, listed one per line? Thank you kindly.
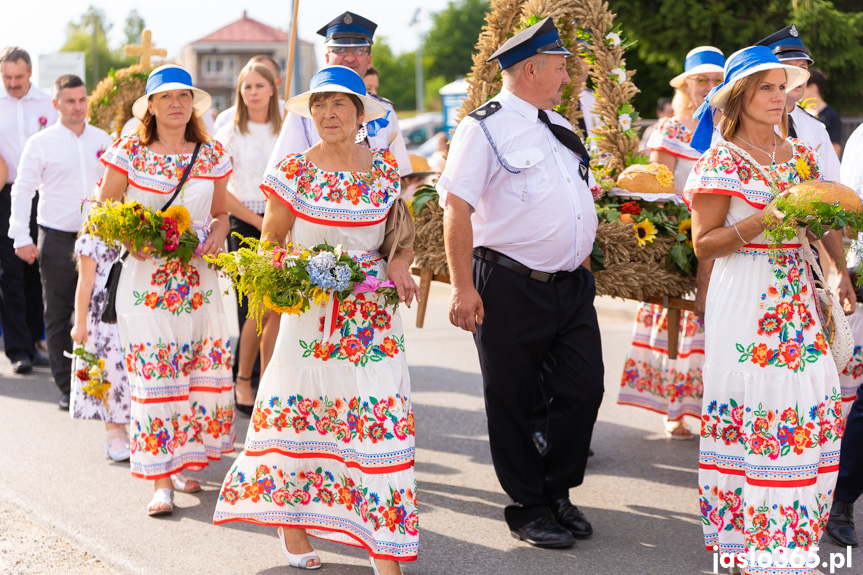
(172, 326)
(771, 423)
(103, 339)
(330, 446)
(650, 379)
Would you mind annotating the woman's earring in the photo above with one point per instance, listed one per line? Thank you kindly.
(361, 133)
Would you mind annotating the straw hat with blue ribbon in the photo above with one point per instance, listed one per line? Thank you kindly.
(701, 60)
(336, 79)
(171, 77)
(739, 65)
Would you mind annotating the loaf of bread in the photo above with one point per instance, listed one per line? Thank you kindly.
(828, 192)
(647, 179)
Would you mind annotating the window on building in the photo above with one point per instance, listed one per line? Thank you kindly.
(219, 66)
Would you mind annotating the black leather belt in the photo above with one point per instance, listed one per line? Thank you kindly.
(61, 233)
(511, 264)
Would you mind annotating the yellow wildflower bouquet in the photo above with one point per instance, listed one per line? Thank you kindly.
(167, 234)
(92, 376)
(288, 280)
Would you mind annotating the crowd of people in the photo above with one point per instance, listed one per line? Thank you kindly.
(330, 447)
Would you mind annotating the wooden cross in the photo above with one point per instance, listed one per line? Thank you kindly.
(145, 50)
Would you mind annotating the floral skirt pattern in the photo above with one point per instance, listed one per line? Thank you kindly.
(330, 446)
(178, 361)
(851, 377)
(652, 381)
(771, 425)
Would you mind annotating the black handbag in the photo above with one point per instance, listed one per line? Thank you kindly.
(109, 307)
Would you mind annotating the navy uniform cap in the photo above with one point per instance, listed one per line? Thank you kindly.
(349, 29)
(541, 38)
(787, 45)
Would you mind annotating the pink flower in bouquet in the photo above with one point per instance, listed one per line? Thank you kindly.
(172, 233)
(278, 257)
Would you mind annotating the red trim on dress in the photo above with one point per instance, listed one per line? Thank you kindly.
(268, 191)
(308, 526)
(687, 196)
(676, 155)
(665, 351)
(659, 411)
(193, 467)
(134, 185)
(771, 482)
(355, 465)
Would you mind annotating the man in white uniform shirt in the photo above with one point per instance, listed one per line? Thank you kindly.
(519, 226)
(62, 161)
(349, 39)
(24, 111)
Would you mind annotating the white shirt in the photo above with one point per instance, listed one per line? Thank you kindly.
(20, 118)
(586, 102)
(249, 154)
(299, 134)
(227, 116)
(65, 168)
(851, 174)
(812, 132)
(543, 216)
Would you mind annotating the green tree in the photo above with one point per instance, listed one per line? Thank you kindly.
(833, 36)
(90, 35)
(397, 75)
(133, 28)
(449, 45)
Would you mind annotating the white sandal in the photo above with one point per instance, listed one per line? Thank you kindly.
(165, 496)
(181, 483)
(298, 561)
(121, 454)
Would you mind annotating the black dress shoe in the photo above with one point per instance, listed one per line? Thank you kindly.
(64, 402)
(22, 365)
(571, 519)
(546, 533)
(840, 525)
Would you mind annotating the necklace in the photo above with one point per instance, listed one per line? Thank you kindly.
(184, 147)
(771, 154)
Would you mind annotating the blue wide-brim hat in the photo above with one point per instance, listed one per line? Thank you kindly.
(701, 60)
(739, 65)
(171, 77)
(336, 79)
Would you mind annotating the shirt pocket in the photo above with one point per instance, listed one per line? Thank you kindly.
(530, 163)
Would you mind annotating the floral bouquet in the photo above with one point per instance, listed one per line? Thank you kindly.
(651, 220)
(164, 234)
(287, 280)
(92, 376)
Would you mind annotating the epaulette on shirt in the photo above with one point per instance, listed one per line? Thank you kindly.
(382, 99)
(485, 110)
(811, 114)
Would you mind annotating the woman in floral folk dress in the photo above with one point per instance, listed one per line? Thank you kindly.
(650, 379)
(170, 317)
(771, 422)
(330, 448)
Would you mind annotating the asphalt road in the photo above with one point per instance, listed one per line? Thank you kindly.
(640, 493)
